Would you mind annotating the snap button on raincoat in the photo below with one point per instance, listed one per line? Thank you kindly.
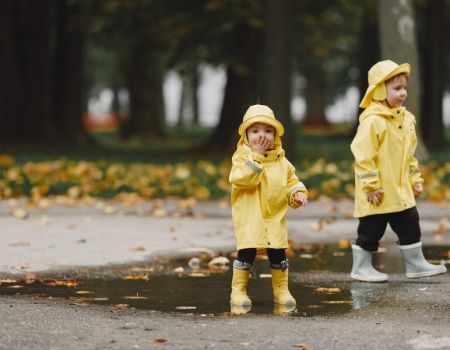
(384, 148)
(262, 188)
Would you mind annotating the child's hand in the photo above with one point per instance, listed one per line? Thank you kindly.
(417, 189)
(300, 198)
(375, 197)
(260, 145)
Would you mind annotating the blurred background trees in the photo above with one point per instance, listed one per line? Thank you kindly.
(306, 59)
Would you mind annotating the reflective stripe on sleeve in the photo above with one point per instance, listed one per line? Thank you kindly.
(252, 165)
(366, 175)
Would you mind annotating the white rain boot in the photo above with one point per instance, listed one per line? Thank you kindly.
(415, 263)
(362, 268)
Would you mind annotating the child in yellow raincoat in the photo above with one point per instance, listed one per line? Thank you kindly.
(387, 175)
(264, 184)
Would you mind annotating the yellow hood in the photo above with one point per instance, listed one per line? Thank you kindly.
(378, 74)
(260, 114)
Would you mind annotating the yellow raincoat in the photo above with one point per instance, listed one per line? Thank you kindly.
(384, 147)
(262, 188)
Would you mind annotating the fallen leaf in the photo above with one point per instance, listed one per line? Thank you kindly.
(442, 226)
(120, 306)
(135, 277)
(42, 220)
(20, 244)
(21, 266)
(220, 263)
(7, 280)
(160, 340)
(344, 244)
(139, 248)
(327, 290)
(337, 302)
(134, 297)
(29, 278)
(84, 292)
(19, 213)
(302, 346)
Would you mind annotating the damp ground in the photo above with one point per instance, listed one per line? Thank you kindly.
(319, 282)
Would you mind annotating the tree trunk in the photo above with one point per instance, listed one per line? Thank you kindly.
(69, 73)
(433, 74)
(28, 30)
(240, 90)
(9, 84)
(276, 62)
(145, 80)
(315, 99)
(398, 43)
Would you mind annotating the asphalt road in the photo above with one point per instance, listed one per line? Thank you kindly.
(400, 314)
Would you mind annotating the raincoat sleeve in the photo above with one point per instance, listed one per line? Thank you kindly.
(365, 149)
(246, 169)
(414, 172)
(294, 185)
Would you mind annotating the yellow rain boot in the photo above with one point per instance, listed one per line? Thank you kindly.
(281, 292)
(241, 274)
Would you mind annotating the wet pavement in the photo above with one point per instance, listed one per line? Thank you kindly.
(105, 276)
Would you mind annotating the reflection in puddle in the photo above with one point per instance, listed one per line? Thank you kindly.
(170, 288)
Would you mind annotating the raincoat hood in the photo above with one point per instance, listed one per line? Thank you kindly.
(378, 74)
(260, 114)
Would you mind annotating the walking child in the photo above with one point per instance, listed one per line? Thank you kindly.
(264, 184)
(387, 175)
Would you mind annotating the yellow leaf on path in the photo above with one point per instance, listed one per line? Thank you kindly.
(344, 244)
(21, 266)
(8, 280)
(84, 292)
(139, 248)
(442, 226)
(302, 346)
(120, 306)
(327, 290)
(135, 277)
(19, 213)
(20, 244)
(134, 297)
(42, 220)
(109, 209)
(29, 278)
(337, 302)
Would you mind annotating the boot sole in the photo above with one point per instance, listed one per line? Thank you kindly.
(443, 269)
(368, 279)
(245, 303)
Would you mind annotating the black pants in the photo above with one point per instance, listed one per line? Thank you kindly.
(248, 255)
(404, 223)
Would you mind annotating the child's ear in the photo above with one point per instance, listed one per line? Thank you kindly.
(380, 93)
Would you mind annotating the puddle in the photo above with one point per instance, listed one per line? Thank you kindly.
(205, 291)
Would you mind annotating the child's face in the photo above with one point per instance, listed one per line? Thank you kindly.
(396, 91)
(257, 131)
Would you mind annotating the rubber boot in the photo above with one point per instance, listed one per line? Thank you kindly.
(239, 309)
(283, 309)
(281, 294)
(415, 263)
(362, 268)
(241, 274)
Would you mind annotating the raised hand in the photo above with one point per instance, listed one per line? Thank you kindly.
(260, 145)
